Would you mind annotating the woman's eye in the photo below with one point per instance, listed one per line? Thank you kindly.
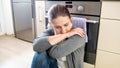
(57, 27)
(66, 25)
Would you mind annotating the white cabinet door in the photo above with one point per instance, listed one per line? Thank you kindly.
(109, 36)
(40, 16)
(110, 9)
(107, 60)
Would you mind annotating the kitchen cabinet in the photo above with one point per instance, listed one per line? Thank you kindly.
(40, 16)
(110, 9)
(108, 51)
(109, 36)
(107, 60)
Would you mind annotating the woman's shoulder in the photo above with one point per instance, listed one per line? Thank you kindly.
(73, 27)
(49, 31)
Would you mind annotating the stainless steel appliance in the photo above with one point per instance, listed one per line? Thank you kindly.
(91, 11)
(23, 17)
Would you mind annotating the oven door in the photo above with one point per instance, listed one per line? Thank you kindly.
(92, 33)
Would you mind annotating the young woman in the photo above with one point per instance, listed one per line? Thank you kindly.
(62, 42)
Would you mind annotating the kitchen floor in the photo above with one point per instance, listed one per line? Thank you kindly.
(25, 34)
(15, 53)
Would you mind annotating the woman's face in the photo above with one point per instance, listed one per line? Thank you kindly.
(61, 24)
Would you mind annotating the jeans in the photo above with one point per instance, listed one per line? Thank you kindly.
(43, 60)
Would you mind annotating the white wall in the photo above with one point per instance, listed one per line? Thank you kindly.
(1, 19)
(6, 17)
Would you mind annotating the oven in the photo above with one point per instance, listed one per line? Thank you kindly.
(90, 11)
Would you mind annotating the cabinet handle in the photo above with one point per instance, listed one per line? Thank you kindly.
(39, 14)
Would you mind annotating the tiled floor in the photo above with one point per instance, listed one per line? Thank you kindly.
(15, 53)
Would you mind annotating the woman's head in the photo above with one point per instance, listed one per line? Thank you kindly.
(59, 18)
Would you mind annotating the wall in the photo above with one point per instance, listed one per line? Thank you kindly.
(1, 19)
(6, 17)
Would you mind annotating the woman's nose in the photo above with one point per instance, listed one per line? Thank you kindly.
(63, 30)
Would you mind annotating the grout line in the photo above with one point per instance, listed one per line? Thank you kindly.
(109, 51)
(111, 19)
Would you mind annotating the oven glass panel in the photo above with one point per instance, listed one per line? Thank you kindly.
(91, 45)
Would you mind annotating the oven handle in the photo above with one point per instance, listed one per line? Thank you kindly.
(88, 21)
(92, 21)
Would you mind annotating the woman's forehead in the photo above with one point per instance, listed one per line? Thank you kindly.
(61, 20)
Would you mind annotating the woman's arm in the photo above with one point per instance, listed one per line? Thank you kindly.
(41, 43)
(53, 40)
(45, 40)
(67, 47)
(76, 39)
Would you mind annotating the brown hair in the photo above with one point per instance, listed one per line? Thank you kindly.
(56, 11)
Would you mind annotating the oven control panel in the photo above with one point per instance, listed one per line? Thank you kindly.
(78, 7)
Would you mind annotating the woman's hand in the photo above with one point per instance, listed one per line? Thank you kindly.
(77, 31)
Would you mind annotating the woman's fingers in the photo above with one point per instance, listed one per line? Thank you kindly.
(81, 32)
(77, 31)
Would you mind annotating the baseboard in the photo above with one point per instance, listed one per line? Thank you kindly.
(7, 35)
(10, 35)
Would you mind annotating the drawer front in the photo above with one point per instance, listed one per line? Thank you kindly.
(109, 36)
(110, 9)
(107, 60)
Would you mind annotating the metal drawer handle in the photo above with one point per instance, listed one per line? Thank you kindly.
(39, 13)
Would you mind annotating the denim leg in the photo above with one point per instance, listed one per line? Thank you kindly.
(39, 61)
(43, 60)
